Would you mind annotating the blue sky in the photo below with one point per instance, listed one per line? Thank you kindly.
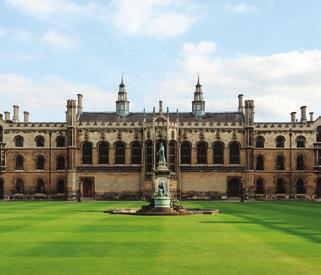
(52, 49)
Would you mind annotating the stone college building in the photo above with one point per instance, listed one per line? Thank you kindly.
(111, 155)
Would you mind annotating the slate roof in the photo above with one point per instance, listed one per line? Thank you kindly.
(185, 117)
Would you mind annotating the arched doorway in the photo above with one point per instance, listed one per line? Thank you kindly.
(234, 187)
(1, 189)
(88, 188)
(318, 191)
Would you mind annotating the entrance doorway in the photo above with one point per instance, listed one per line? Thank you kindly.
(1, 189)
(88, 188)
(319, 188)
(234, 187)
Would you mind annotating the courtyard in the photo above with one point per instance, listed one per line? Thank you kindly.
(78, 238)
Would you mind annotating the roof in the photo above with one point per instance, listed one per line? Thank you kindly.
(139, 116)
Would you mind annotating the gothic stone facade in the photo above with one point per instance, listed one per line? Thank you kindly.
(113, 155)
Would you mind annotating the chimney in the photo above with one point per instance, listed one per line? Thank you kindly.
(79, 104)
(311, 116)
(293, 119)
(303, 113)
(26, 117)
(15, 114)
(240, 96)
(7, 116)
(160, 107)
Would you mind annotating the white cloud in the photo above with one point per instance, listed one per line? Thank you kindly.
(279, 83)
(155, 18)
(59, 40)
(45, 97)
(241, 8)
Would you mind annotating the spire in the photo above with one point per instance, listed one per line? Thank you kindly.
(122, 103)
(198, 104)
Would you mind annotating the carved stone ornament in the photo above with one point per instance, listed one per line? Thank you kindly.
(234, 135)
(86, 135)
(103, 135)
(218, 134)
(202, 135)
(119, 135)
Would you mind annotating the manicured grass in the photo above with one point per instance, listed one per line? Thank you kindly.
(77, 238)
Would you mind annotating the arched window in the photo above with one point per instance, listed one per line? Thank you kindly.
(234, 152)
(60, 163)
(119, 152)
(172, 155)
(60, 186)
(19, 186)
(40, 163)
(186, 152)
(218, 152)
(319, 134)
(259, 186)
(40, 141)
(18, 141)
(19, 162)
(300, 162)
(103, 153)
(87, 153)
(201, 152)
(61, 141)
(149, 156)
(40, 186)
(280, 162)
(259, 162)
(259, 142)
(300, 142)
(136, 152)
(300, 186)
(280, 186)
(280, 141)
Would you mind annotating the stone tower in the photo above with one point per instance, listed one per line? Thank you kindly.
(122, 103)
(198, 104)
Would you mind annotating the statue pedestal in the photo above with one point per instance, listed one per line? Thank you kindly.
(162, 202)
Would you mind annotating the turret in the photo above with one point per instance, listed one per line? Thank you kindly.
(79, 104)
(249, 113)
(198, 104)
(71, 112)
(122, 103)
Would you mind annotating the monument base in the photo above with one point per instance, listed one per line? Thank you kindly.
(162, 202)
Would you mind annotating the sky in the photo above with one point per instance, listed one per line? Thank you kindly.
(269, 50)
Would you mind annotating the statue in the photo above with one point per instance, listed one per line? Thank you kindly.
(161, 155)
(161, 189)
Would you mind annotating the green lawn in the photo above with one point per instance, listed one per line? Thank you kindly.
(77, 238)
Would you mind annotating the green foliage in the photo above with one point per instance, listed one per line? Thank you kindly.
(78, 238)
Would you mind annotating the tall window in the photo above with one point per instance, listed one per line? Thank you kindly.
(19, 162)
(280, 186)
(234, 152)
(201, 152)
(172, 155)
(319, 134)
(60, 163)
(300, 186)
(280, 142)
(1, 134)
(149, 156)
(60, 186)
(19, 186)
(136, 152)
(280, 162)
(300, 142)
(259, 142)
(18, 141)
(40, 141)
(40, 163)
(61, 141)
(259, 162)
(40, 186)
(87, 153)
(103, 153)
(119, 152)
(186, 152)
(259, 186)
(319, 157)
(218, 152)
(300, 162)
